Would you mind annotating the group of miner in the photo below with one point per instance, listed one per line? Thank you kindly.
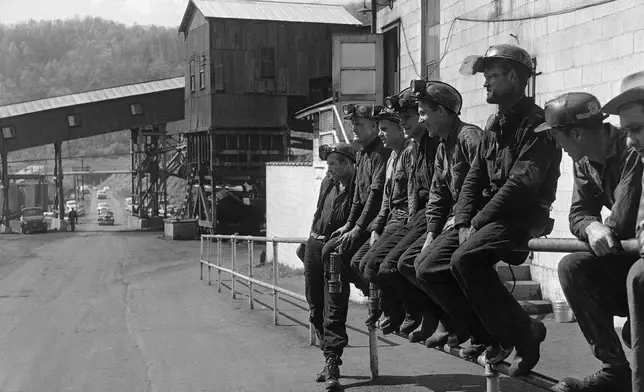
(422, 206)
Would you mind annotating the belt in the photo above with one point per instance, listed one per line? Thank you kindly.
(319, 237)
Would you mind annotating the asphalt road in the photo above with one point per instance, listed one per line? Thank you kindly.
(102, 310)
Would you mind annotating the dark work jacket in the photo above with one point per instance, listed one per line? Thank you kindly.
(515, 173)
(617, 185)
(370, 184)
(424, 154)
(395, 199)
(453, 160)
(338, 215)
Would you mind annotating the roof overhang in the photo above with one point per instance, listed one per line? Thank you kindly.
(321, 106)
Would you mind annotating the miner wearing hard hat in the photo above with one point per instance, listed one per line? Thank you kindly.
(439, 107)
(345, 241)
(394, 210)
(504, 201)
(629, 105)
(607, 173)
(332, 212)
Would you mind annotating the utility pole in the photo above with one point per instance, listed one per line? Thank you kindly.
(374, 16)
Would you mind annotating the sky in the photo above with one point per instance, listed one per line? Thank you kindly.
(142, 12)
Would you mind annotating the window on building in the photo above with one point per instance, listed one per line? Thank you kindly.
(432, 39)
(267, 67)
(8, 132)
(73, 120)
(192, 75)
(202, 73)
(218, 76)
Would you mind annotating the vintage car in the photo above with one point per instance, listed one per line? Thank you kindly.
(100, 194)
(106, 217)
(33, 220)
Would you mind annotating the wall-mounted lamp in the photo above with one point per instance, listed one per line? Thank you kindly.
(74, 120)
(367, 10)
(136, 109)
(8, 132)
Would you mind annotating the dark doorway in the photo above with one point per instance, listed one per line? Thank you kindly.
(391, 59)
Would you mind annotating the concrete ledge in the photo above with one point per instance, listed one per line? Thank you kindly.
(152, 224)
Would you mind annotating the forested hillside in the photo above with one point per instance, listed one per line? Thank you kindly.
(41, 59)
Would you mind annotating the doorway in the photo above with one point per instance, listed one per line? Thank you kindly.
(391, 59)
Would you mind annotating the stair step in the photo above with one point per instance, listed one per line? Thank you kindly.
(536, 307)
(521, 272)
(525, 289)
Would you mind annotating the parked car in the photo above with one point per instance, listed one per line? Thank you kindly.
(106, 217)
(32, 220)
(101, 207)
(100, 194)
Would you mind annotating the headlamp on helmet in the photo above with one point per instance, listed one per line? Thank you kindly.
(418, 87)
(394, 103)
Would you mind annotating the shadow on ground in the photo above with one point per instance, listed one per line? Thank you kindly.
(439, 382)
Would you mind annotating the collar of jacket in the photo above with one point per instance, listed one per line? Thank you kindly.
(516, 113)
(454, 130)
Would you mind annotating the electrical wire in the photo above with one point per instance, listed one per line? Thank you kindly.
(518, 19)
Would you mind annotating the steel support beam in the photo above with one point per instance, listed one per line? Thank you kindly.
(149, 174)
(60, 193)
(4, 218)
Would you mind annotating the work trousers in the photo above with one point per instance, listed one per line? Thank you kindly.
(635, 293)
(368, 258)
(463, 281)
(337, 304)
(390, 274)
(314, 283)
(595, 290)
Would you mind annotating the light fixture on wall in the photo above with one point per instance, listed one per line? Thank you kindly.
(136, 109)
(366, 10)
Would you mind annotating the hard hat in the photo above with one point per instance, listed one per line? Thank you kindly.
(358, 110)
(389, 114)
(473, 64)
(345, 149)
(632, 90)
(439, 92)
(571, 109)
(402, 101)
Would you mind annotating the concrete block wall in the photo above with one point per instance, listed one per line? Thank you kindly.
(589, 49)
(291, 198)
(409, 14)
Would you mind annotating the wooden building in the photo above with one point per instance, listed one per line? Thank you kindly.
(249, 66)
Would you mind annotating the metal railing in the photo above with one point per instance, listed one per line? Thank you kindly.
(492, 372)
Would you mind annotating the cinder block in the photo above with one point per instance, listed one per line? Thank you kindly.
(583, 16)
(621, 45)
(583, 55)
(603, 10)
(592, 74)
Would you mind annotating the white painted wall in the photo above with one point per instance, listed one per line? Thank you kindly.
(291, 199)
(586, 50)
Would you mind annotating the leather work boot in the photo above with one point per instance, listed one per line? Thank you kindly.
(332, 373)
(626, 333)
(528, 354)
(495, 353)
(474, 350)
(410, 323)
(321, 377)
(439, 337)
(392, 321)
(613, 379)
(427, 327)
(458, 338)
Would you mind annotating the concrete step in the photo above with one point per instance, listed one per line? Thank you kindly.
(521, 272)
(525, 290)
(536, 307)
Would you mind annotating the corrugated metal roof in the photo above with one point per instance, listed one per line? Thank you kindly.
(19, 109)
(273, 11)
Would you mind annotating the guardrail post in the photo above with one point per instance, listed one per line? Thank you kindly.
(251, 257)
(218, 265)
(275, 281)
(201, 259)
(492, 377)
(233, 253)
(209, 259)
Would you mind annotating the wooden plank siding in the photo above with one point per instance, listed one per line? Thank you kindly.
(236, 95)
